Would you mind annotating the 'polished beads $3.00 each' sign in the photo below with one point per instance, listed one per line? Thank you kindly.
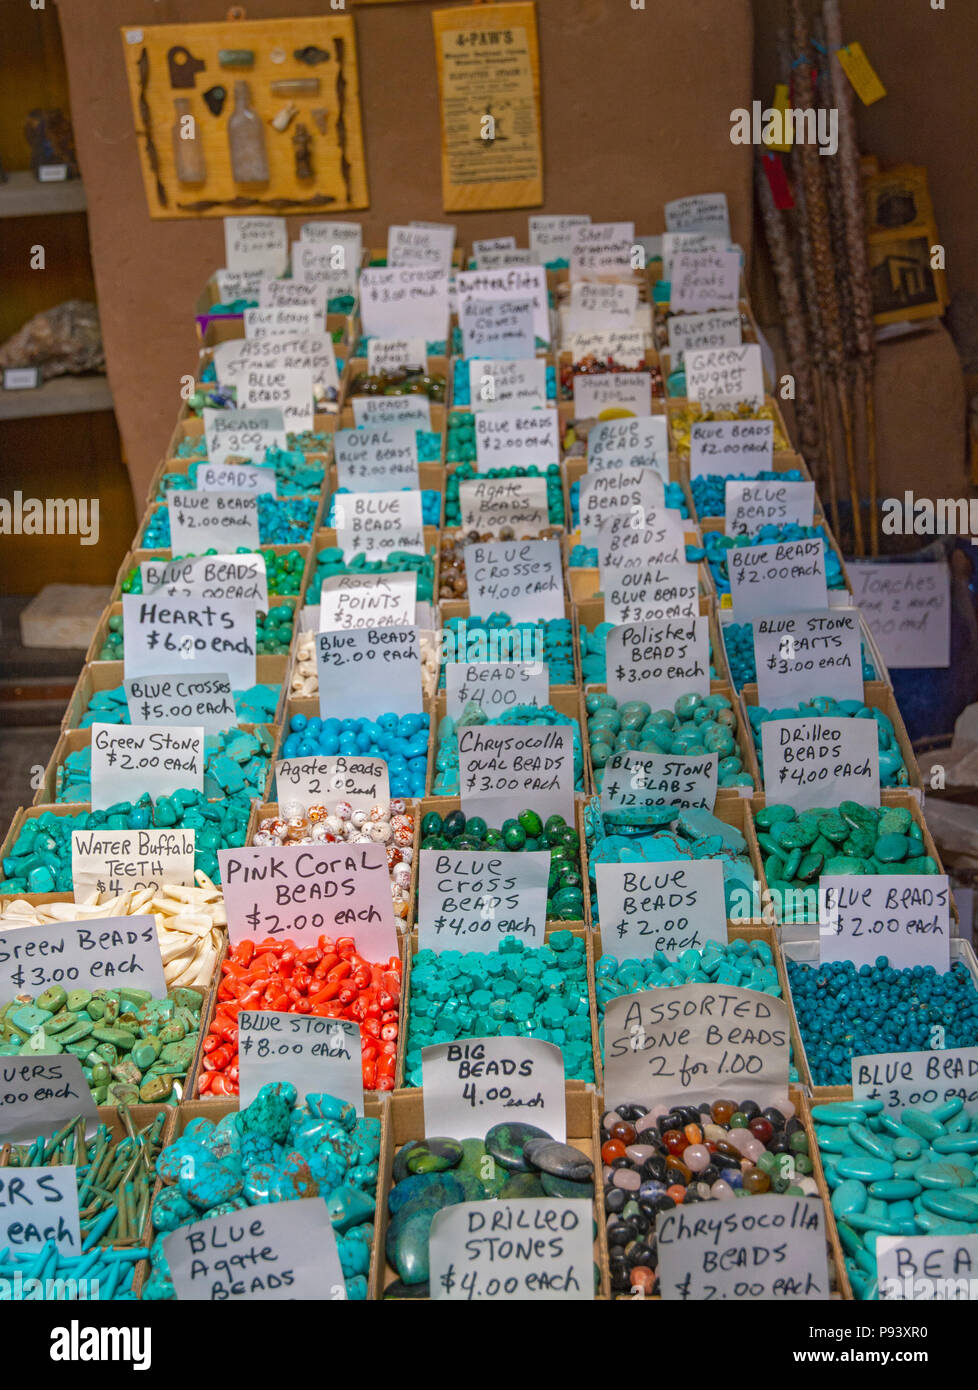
(658, 662)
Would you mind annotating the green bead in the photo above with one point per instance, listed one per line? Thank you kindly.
(531, 823)
(514, 836)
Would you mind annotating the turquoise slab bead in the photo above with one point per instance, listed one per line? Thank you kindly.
(859, 1221)
(874, 1144)
(955, 1144)
(849, 1196)
(895, 1189)
(948, 1109)
(934, 1225)
(907, 1146)
(865, 1168)
(840, 1113)
(924, 1125)
(949, 1204)
(944, 1176)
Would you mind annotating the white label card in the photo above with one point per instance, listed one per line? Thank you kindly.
(430, 246)
(293, 294)
(99, 953)
(489, 504)
(239, 284)
(925, 1269)
(781, 577)
(672, 242)
(509, 283)
(704, 280)
(332, 270)
(663, 591)
(384, 354)
(38, 1205)
(702, 212)
(242, 433)
(608, 492)
(124, 861)
(751, 505)
(595, 392)
(920, 1079)
(905, 917)
(510, 255)
(670, 907)
(369, 671)
(535, 1250)
(256, 243)
(630, 443)
(489, 1081)
(775, 1250)
(602, 248)
(499, 384)
(283, 1251)
(375, 523)
(801, 653)
(219, 520)
(501, 327)
(731, 446)
(174, 635)
(634, 780)
(551, 237)
(719, 329)
(624, 346)
(499, 765)
(205, 700)
(658, 662)
(373, 411)
(493, 243)
(236, 477)
(323, 781)
(345, 235)
(304, 891)
(317, 1055)
(657, 539)
(367, 600)
(517, 438)
(725, 376)
(600, 307)
(821, 762)
(377, 459)
(472, 900)
(405, 301)
(908, 610)
(208, 576)
(697, 1041)
(282, 321)
(521, 578)
(494, 686)
(38, 1095)
(289, 389)
(130, 759)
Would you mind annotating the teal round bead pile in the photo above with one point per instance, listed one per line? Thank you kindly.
(446, 758)
(893, 770)
(696, 725)
(281, 521)
(516, 991)
(40, 859)
(798, 847)
(908, 1173)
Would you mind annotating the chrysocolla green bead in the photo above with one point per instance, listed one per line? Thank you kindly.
(531, 823)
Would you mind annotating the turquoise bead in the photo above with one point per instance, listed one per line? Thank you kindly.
(849, 1196)
(865, 1168)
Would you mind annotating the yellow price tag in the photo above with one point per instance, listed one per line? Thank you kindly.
(781, 104)
(726, 601)
(861, 73)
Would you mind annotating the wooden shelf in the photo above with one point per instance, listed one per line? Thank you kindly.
(63, 395)
(23, 196)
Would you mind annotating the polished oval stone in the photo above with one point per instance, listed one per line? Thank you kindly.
(442, 1189)
(554, 1186)
(408, 1237)
(944, 1176)
(865, 1168)
(523, 1185)
(434, 1155)
(849, 1196)
(949, 1204)
(506, 1142)
(562, 1160)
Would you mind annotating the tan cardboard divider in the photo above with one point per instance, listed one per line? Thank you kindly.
(823, 1095)
(590, 615)
(73, 740)
(735, 812)
(741, 733)
(584, 581)
(877, 696)
(583, 1117)
(137, 557)
(110, 1116)
(269, 809)
(735, 932)
(109, 675)
(376, 1108)
(461, 608)
(564, 698)
(310, 708)
(805, 947)
(114, 610)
